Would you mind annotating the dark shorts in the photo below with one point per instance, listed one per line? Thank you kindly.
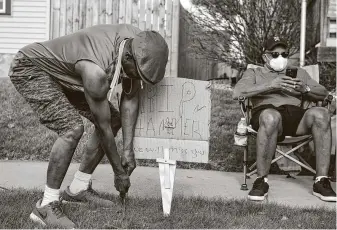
(291, 117)
(58, 108)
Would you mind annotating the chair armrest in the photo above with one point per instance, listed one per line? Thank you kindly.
(245, 107)
(326, 102)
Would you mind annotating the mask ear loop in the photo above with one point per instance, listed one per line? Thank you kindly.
(267, 61)
(118, 68)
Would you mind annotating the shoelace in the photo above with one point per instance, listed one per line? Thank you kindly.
(56, 207)
(90, 189)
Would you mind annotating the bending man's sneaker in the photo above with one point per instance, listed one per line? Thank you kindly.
(51, 215)
(259, 190)
(85, 196)
(323, 190)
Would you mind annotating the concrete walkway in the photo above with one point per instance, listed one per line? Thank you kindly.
(145, 183)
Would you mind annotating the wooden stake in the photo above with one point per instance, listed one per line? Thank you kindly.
(167, 170)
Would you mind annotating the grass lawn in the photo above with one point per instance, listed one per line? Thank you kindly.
(192, 213)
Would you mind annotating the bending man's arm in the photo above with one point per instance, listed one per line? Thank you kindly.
(129, 114)
(96, 87)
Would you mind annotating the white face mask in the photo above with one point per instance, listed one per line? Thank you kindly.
(277, 64)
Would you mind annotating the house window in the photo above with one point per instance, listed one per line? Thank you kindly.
(332, 35)
(332, 21)
(5, 7)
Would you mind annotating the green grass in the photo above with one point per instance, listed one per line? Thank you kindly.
(191, 213)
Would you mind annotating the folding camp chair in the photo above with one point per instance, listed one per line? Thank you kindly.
(297, 142)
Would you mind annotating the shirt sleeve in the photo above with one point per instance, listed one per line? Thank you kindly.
(248, 79)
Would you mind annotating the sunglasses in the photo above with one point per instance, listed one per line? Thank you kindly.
(276, 54)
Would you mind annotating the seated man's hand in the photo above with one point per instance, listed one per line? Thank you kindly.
(293, 86)
(299, 86)
(122, 183)
(128, 161)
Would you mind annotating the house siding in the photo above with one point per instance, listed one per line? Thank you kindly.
(28, 23)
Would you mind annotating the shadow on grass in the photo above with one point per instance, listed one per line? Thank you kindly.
(17, 204)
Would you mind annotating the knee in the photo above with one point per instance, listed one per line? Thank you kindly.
(320, 117)
(73, 135)
(270, 119)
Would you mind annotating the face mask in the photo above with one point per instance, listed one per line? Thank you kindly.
(277, 64)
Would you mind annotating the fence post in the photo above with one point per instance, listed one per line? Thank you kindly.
(175, 38)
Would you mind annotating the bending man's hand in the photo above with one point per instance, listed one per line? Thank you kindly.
(128, 161)
(122, 183)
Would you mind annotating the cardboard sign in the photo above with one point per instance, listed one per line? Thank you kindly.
(174, 114)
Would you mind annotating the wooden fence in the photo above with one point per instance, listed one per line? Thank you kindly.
(68, 16)
(191, 65)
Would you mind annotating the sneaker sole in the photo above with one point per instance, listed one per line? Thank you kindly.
(257, 198)
(83, 203)
(36, 219)
(74, 202)
(324, 198)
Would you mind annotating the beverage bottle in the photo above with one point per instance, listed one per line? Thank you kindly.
(240, 136)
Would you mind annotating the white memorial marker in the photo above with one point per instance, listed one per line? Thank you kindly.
(167, 169)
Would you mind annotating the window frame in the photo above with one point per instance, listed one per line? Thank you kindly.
(7, 10)
(332, 34)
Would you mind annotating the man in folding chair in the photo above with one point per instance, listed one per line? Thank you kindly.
(277, 112)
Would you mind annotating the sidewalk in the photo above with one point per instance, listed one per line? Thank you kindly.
(145, 183)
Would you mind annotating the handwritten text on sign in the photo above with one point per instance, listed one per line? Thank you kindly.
(174, 114)
(176, 108)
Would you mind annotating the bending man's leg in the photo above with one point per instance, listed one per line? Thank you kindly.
(56, 113)
(60, 158)
(80, 189)
(270, 126)
(92, 155)
(61, 155)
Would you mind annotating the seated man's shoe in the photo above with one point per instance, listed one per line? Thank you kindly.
(323, 190)
(86, 196)
(259, 190)
(51, 215)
